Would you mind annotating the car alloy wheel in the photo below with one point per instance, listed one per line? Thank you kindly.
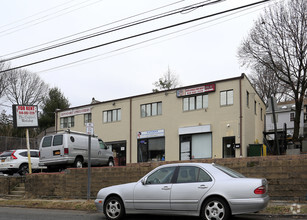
(215, 209)
(114, 208)
(23, 169)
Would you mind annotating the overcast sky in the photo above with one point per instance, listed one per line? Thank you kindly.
(197, 52)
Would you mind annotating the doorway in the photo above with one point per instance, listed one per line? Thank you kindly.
(229, 147)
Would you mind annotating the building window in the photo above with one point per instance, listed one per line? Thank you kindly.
(255, 107)
(151, 109)
(67, 122)
(292, 116)
(247, 99)
(226, 97)
(152, 149)
(195, 146)
(261, 114)
(112, 115)
(195, 102)
(87, 118)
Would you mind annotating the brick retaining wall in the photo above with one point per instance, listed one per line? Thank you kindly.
(287, 177)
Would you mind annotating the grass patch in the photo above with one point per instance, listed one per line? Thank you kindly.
(52, 204)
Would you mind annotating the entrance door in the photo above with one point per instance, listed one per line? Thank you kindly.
(229, 147)
(119, 152)
(185, 147)
(142, 150)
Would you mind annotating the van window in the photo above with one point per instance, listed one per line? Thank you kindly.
(47, 141)
(102, 144)
(57, 140)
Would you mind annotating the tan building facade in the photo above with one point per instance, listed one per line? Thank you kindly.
(210, 120)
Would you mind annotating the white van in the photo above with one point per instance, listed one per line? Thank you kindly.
(70, 149)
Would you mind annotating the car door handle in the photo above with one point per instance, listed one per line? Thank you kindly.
(203, 187)
(166, 188)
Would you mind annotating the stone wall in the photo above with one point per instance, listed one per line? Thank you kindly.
(8, 183)
(287, 177)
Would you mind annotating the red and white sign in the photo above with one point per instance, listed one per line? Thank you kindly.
(73, 112)
(25, 116)
(196, 90)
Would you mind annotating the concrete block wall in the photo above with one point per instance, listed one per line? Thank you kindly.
(287, 177)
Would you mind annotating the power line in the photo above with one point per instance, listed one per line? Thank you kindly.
(136, 35)
(82, 32)
(90, 59)
(124, 26)
(3, 33)
(41, 12)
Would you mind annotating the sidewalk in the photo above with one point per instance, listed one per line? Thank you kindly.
(274, 207)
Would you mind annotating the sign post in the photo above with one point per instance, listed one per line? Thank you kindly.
(26, 116)
(90, 132)
(29, 154)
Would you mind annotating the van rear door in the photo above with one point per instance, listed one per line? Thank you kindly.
(51, 147)
(57, 146)
(45, 148)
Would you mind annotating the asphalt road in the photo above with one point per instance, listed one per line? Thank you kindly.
(17, 213)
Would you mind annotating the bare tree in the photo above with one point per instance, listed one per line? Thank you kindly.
(267, 84)
(3, 77)
(25, 88)
(278, 41)
(168, 81)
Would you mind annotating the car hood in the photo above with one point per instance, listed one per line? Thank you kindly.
(122, 189)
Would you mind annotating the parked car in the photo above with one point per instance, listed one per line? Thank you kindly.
(70, 149)
(16, 161)
(210, 191)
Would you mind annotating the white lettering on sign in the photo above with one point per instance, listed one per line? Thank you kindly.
(75, 112)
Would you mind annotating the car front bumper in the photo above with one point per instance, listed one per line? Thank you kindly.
(99, 205)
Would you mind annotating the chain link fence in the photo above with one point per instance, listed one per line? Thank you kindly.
(13, 143)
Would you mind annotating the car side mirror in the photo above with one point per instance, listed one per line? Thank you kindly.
(143, 181)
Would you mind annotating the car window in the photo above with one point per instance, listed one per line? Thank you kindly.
(47, 141)
(23, 153)
(229, 171)
(102, 144)
(161, 176)
(34, 153)
(6, 154)
(204, 176)
(57, 140)
(190, 174)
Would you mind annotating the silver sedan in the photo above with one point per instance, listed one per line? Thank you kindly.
(210, 191)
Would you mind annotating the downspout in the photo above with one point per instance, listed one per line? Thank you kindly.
(240, 88)
(130, 132)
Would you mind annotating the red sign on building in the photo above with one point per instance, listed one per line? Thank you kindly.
(196, 90)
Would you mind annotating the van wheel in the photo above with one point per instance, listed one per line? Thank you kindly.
(111, 163)
(78, 162)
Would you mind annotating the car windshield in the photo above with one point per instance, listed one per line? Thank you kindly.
(229, 171)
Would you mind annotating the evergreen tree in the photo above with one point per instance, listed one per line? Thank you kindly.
(55, 100)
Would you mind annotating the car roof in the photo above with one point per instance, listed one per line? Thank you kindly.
(204, 165)
(18, 150)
